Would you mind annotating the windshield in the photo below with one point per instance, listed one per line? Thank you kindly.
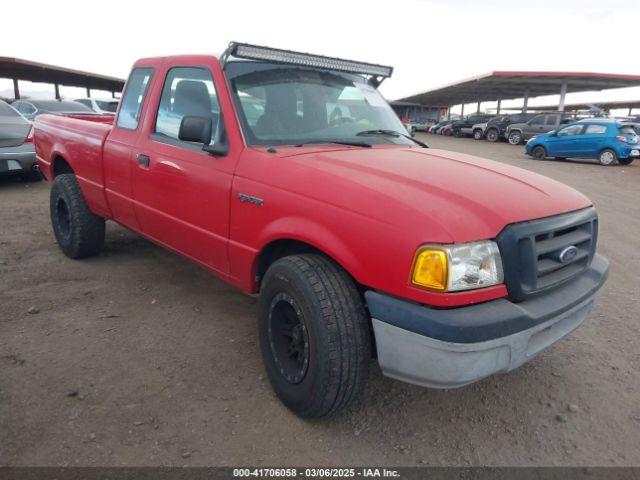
(107, 106)
(287, 105)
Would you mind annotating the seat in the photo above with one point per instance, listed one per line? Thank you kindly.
(192, 98)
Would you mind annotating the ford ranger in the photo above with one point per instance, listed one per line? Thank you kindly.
(289, 176)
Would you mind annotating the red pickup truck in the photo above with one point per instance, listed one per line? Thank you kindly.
(289, 176)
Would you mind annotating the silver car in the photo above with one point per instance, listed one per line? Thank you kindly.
(17, 153)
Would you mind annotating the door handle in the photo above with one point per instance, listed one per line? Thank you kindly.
(143, 161)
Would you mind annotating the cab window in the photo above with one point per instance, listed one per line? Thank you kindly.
(539, 120)
(133, 98)
(187, 91)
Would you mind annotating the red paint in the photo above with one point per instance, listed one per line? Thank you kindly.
(369, 209)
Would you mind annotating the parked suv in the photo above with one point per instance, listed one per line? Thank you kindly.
(465, 127)
(518, 133)
(497, 127)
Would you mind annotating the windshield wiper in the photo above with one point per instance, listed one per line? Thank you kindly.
(338, 142)
(391, 133)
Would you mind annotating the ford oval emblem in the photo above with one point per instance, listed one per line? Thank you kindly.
(568, 254)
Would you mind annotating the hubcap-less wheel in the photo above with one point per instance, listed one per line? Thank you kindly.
(288, 338)
(492, 135)
(515, 139)
(538, 153)
(607, 157)
(64, 218)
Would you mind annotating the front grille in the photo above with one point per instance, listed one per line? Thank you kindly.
(531, 251)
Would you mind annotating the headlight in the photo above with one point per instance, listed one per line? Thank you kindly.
(457, 267)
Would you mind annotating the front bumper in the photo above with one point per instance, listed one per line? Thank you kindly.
(455, 347)
(20, 159)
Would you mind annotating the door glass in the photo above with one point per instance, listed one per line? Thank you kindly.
(551, 120)
(595, 129)
(187, 91)
(133, 98)
(538, 120)
(570, 130)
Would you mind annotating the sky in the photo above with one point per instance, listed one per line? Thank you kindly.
(428, 42)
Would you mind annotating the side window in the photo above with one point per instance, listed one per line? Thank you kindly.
(595, 129)
(186, 91)
(539, 120)
(570, 130)
(133, 98)
(551, 120)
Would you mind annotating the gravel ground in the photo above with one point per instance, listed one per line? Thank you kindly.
(138, 357)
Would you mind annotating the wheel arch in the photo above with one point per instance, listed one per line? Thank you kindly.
(60, 165)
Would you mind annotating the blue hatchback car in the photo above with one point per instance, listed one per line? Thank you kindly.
(608, 140)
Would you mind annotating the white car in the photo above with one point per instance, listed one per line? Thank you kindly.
(103, 106)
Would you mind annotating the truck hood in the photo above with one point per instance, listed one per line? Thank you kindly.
(450, 197)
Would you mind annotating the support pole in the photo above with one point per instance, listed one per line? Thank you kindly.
(478, 108)
(16, 89)
(498, 109)
(563, 94)
(449, 112)
(88, 92)
(525, 101)
(113, 94)
(462, 111)
(57, 87)
(630, 108)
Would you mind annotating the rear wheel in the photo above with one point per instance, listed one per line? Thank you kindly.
(515, 138)
(492, 135)
(79, 232)
(625, 161)
(539, 153)
(477, 134)
(457, 133)
(607, 157)
(314, 335)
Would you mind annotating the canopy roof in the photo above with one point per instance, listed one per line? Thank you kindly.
(503, 85)
(18, 69)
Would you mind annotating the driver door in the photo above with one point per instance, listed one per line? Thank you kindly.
(566, 142)
(181, 192)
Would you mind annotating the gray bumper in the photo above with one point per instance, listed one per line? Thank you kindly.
(454, 359)
(20, 159)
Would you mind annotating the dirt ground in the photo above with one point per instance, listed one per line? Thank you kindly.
(138, 357)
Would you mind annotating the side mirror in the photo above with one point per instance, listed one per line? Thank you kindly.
(195, 129)
(553, 133)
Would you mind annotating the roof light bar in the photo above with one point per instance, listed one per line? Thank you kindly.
(255, 52)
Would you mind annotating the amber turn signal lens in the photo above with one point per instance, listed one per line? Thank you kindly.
(430, 269)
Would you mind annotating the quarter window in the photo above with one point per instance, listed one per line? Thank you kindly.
(187, 91)
(551, 120)
(133, 98)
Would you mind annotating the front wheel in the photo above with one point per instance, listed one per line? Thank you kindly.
(539, 153)
(457, 133)
(78, 231)
(314, 335)
(607, 157)
(625, 161)
(477, 134)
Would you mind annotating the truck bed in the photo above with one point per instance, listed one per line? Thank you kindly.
(80, 143)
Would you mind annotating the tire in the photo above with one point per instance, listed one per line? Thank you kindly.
(477, 134)
(456, 133)
(492, 135)
(539, 153)
(79, 232)
(625, 161)
(607, 157)
(314, 335)
(515, 137)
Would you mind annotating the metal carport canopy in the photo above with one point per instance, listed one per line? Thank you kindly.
(506, 85)
(18, 69)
